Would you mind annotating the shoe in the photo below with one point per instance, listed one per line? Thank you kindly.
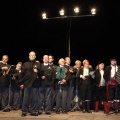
(95, 110)
(53, 109)
(57, 111)
(72, 110)
(34, 114)
(20, 107)
(40, 112)
(69, 109)
(64, 111)
(24, 114)
(48, 113)
(83, 111)
(6, 110)
(14, 108)
(106, 112)
(89, 111)
(116, 111)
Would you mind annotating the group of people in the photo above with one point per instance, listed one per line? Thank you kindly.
(46, 87)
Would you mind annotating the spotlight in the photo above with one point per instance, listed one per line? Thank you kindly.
(62, 12)
(76, 10)
(93, 11)
(44, 16)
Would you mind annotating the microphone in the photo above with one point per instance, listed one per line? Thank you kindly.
(12, 65)
(35, 67)
(60, 82)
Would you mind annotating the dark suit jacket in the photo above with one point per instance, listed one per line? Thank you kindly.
(97, 77)
(4, 79)
(107, 73)
(71, 76)
(89, 79)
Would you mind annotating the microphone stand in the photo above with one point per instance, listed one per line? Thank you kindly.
(76, 106)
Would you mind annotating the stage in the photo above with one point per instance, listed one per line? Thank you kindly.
(77, 115)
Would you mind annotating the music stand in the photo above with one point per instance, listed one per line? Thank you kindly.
(9, 73)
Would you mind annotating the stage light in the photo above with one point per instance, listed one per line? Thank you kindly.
(76, 10)
(62, 12)
(70, 17)
(44, 16)
(93, 11)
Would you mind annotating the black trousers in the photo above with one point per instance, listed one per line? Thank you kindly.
(30, 98)
(4, 97)
(100, 93)
(86, 92)
(61, 99)
(113, 92)
(70, 92)
(14, 95)
(53, 95)
(44, 99)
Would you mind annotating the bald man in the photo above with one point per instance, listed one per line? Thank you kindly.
(46, 86)
(29, 80)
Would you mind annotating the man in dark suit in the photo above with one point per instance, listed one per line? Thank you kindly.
(4, 83)
(15, 87)
(70, 83)
(77, 100)
(47, 76)
(86, 86)
(53, 92)
(30, 80)
(62, 77)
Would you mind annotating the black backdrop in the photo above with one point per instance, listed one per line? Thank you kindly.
(94, 38)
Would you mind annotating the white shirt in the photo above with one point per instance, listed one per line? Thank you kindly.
(18, 70)
(113, 70)
(85, 71)
(45, 64)
(102, 81)
(3, 63)
(50, 63)
(67, 64)
(61, 66)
